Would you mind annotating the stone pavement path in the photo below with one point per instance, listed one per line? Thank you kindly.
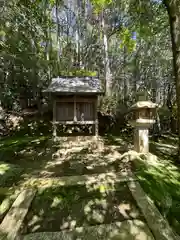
(27, 220)
(126, 230)
(83, 156)
(130, 226)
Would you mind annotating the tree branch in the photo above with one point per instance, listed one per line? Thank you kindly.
(115, 30)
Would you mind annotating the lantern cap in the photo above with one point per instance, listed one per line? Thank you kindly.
(144, 104)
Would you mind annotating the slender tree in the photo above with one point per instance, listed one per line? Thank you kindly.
(173, 9)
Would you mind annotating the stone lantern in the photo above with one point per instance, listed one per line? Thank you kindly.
(143, 114)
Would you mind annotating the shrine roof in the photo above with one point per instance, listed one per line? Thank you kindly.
(82, 85)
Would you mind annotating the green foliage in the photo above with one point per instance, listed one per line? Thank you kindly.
(164, 112)
(160, 181)
(78, 73)
(35, 47)
(126, 40)
(174, 111)
(99, 5)
(107, 103)
(9, 173)
(24, 27)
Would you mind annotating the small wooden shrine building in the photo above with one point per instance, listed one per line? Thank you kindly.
(75, 101)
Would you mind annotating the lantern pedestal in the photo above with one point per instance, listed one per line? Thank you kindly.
(143, 118)
(141, 135)
(141, 140)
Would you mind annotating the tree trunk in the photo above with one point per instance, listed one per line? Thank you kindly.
(57, 34)
(107, 70)
(126, 79)
(78, 10)
(173, 9)
(48, 40)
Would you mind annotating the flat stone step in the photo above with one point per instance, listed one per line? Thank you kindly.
(66, 208)
(110, 177)
(126, 230)
(11, 224)
(158, 225)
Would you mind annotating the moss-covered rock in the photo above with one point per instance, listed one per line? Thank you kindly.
(78, 73)
(9, 173)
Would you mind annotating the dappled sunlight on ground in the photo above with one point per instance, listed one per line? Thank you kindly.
(165, 148)
(94, 165)
(81, 157)
(7, 197)
(160, 178)
(126, 230)
(75, 156)
(55, 209)
(39, 156)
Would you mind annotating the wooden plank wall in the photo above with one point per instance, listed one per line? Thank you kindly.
(85, 108)
(64, 111)
(85, 111)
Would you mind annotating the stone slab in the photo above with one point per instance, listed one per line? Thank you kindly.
(126, 230)
(158, 225)
(13, 220)
(53, 212)
(109, 177)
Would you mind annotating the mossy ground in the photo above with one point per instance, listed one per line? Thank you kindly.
(30, 155)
